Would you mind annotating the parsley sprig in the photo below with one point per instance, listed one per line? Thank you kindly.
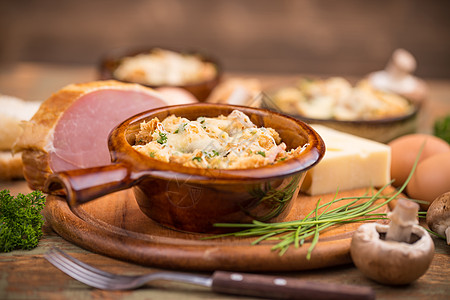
(20, 220)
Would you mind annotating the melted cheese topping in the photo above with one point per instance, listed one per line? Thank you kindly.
(164, 67)
(231, 142)
(336, 98)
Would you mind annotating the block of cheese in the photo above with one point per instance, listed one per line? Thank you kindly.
(350, 162)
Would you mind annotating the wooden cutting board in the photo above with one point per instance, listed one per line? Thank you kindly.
(114, 226)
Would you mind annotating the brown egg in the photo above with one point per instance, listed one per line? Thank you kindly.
(431, 179)
(405, 149)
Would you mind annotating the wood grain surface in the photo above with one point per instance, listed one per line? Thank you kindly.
(114, 226)
(28, 275)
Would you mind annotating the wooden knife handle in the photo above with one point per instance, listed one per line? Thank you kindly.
(274, 287)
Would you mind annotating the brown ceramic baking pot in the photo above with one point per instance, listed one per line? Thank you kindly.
(194, 199)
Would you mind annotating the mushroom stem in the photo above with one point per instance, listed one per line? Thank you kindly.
(403, 218)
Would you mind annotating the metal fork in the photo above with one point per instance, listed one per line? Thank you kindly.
(264, 286)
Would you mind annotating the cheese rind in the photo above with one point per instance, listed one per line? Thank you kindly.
(350, 162)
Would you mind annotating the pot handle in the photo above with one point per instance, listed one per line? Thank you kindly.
(83, 185)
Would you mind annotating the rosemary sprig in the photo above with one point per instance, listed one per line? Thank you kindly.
(358, 209)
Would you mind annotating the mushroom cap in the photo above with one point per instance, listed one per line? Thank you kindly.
(391, 262)
(438, 214)
(404, 60)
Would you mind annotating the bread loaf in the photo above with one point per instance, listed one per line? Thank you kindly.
(12, 113)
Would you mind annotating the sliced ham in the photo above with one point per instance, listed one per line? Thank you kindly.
(70, 130)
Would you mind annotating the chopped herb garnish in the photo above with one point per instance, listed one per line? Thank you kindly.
(212, 153)
(197, 158)
(262, 153)
(151, 154)
(180, 128)
(162, 138)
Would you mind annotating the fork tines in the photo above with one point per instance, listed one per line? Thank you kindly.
(84, 272)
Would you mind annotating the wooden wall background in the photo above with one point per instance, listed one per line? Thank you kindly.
(346, 37)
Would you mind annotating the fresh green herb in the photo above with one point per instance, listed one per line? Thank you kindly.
(357, 209)
(162, 138)
(274, 200)
(151, 154)
(197, 158)
(212, 153)
(262, 153)
(442, 128)
(436, 234)
(180, 128)
(201, 120)
(296, 232)
(20, 220)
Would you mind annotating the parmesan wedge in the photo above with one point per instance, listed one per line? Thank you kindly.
(350, 162)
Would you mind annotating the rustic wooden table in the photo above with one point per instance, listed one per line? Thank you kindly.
(27, 275)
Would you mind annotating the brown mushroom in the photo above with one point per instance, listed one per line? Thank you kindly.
(398, 77)
(438, 216)
(393, 254)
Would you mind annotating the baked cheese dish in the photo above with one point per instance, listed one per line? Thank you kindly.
(335, 98)
(224, 142)
(164, 67)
